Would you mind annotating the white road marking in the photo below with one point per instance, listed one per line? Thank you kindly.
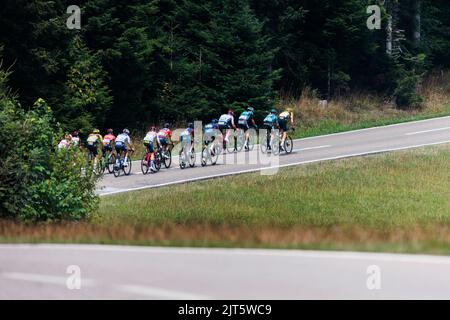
(374, 128)
(340, 255)
(294, 150)
(41, 278)
(312, 148)
(158, 293)
(426, 131)
(350, 155)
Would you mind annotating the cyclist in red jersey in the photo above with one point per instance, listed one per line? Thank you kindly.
(165, 137)
(108, 141)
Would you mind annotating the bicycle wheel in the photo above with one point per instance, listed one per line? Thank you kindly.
(158, 160)
(231, 146)
(240, 140)
(127, 167)
(117, 167)
(252, 138)
(192, 158)
(264, 142)
(167, 157)
(182, 160)
(288, 145)
(100, 166)
(204, 156)
(111, 162)
(214, 154)
(145, 164)
(275, 145)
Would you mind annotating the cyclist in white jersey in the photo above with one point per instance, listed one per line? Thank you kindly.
(122, 141)
(226, 122)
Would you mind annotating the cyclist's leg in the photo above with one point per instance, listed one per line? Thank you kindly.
(228, 134)
(247, 134)
(119, 151)
(95, 155)
(283, 129)
(125, 162)
(151, 150)
(268, 136)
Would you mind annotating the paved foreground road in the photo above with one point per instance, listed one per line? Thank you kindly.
(121, 272)
(335, 146)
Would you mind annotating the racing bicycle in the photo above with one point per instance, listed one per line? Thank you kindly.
(210, 152)
(146, 162)
(108, 161)
(96, 163)
(121, 165)
(166, 156)
(187, 157)
(271, 142)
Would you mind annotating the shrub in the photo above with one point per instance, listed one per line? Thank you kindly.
(406, 95)
(37, 181)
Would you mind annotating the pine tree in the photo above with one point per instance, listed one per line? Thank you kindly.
(87, 99)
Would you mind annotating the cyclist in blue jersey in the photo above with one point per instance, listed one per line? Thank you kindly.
(187, 137)
(211, 131)
(247, 121)
(271, 123)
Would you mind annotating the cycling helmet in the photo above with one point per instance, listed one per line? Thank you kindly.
(190, 125)
(167, 125)
(215, 121)
(251, 109)
(110, 131)
(126, 131)
(273, 111)
(96, 131)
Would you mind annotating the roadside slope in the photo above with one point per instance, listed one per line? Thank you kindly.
(389, 202)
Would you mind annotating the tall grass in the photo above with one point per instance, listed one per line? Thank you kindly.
(363, 109)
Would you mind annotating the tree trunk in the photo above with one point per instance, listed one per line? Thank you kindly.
(389, 36)
(416, 7)
(393, 34)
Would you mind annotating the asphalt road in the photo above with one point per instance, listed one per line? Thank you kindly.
(121, 272)
(329, 147)
(109, 272)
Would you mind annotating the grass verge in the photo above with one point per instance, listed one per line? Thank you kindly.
(397, 202)
(359, 110)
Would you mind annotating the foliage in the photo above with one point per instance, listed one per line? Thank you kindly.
(139, 62)
(38, 182)
(87, 99)
(406, 95)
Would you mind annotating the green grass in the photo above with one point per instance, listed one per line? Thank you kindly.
(397, 202)
(329, 126)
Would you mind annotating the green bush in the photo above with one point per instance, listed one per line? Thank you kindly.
(406, 96)
(38, 182)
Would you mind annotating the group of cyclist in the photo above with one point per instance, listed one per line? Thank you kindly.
(155, 139)
(246, 121)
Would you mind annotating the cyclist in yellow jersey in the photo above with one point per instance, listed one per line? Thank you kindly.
(93, 141)
(285, 119)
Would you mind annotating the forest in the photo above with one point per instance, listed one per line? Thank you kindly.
(137, 62)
